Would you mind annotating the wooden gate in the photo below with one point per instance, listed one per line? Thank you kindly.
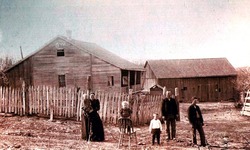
(246, 105)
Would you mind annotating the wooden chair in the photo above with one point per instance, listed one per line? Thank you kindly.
(126, 129)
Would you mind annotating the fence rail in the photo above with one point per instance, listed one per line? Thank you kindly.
(67, 103)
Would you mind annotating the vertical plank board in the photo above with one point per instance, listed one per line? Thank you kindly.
(78, 106)
(38, 100)
(15, 102)
(1, 98)
(105, 106)
(67, 102)
(51, 101)
(42, 99)
(9, 99)
(112, 107)
(72, 102)
(119, 105)
(23, 99)
(109, 106)
(30, 100)
(6, 100)
(101, 99)
(54, 99)
(20, 107)
(115, 108)
(3, 104)
(44, 102)
(32, 93)
(60, 101)
(65, 98)
(81, 105)
(12, 100)
(47, 106)
(57, 102)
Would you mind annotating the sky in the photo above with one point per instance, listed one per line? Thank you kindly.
(136, 30)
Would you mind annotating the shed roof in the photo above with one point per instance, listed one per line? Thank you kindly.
(189, 68)
(95, 50)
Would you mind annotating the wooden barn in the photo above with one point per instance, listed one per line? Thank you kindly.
(210, 79)
(65, 62)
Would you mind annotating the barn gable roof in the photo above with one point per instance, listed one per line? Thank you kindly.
(189, 68)
(95, 50)
(104, 54)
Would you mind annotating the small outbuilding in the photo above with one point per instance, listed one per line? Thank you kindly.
(156, 90)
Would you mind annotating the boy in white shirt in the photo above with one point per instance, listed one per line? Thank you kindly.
(155, 129)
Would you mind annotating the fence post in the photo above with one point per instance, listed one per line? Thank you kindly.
(176, 92)
(23, 97)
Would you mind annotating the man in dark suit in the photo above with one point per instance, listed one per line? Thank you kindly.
(170, 114)
(196, 120)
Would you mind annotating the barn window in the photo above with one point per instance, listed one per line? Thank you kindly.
(60, 52)
(110, 80)
(61, 80)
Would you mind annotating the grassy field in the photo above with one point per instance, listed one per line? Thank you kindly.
(221, 120)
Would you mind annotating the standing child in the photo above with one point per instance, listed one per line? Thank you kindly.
(155, 129)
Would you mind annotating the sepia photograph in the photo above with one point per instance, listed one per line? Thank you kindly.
(125, 75)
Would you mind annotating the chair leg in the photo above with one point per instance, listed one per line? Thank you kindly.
(135, 140)
(120, 140)
(129, 141)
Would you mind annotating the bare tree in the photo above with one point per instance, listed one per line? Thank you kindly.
(4, 64)
(243, 79)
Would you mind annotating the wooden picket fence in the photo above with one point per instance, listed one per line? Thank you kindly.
(67, 103)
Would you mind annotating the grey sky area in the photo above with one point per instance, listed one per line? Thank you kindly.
(136, 30)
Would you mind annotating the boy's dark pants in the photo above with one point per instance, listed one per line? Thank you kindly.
(198, 126)
(171, 121)
(156, 134)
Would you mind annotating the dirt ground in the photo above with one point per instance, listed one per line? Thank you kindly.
(221, 120)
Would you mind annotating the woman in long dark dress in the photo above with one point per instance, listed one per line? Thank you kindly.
(96, 126)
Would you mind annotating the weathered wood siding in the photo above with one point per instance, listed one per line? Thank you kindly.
(207, 89)
(150, 78)
(21, 73)
(101, 70)
(75, 65)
